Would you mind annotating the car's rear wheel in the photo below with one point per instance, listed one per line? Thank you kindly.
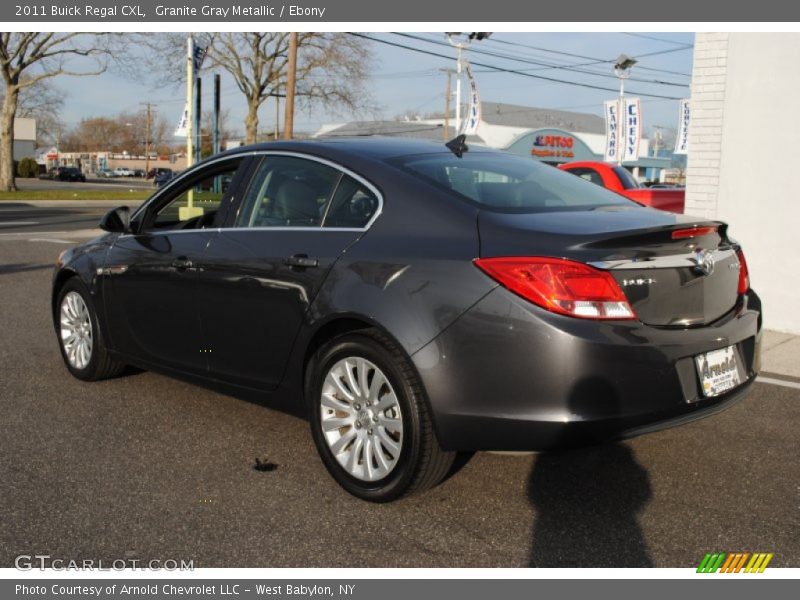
(80, 339)
(370, 419)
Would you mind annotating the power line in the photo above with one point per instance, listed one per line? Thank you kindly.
(506, 70)
(547, 66)
(592, 58)
(656, 39)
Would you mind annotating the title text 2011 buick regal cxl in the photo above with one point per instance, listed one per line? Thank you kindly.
(418, 300)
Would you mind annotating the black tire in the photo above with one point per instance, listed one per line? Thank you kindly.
(100, 365)
(422, 463)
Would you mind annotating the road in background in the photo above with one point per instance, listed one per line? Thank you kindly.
(150, 467)
(92, 184)
(24, 220)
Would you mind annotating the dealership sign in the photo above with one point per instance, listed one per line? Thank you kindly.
(682, 142)
(553, 146)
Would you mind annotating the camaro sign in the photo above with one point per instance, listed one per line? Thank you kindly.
(612, 130)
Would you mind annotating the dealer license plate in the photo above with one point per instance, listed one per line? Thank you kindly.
(718, 371)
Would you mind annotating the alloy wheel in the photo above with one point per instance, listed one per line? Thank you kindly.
(361, 419)
(77, 336)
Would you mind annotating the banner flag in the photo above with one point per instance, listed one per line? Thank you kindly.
(470, 124)
(612, 130)
(682, 141)
(183, 123)
(199, 55)
(632, 129)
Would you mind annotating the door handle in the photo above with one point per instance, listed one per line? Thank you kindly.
(301, 261)
(182, 264)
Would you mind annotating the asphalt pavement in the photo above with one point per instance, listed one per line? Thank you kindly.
(149, 467)
(136, 183)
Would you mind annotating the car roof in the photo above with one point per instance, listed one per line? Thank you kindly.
(378, 147)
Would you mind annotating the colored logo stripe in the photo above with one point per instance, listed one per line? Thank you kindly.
(734, 562)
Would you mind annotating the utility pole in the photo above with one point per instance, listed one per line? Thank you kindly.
(277, 116)
(148, 127)
(189, 103)
(291, 80)
(197, 120)
(447, 93)
(658, 137)
(215, 141)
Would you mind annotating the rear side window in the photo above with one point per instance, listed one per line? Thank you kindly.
(353, 205)
(288, 191)
(509, 183)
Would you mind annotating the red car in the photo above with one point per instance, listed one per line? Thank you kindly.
(618, 179)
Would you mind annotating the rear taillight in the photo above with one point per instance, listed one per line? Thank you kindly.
(692, 232)
(744, 274)
(562, 286)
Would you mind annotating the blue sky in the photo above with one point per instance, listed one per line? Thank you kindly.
(404, 80)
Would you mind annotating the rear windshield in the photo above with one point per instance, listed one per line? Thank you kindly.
(627, 180)
(509, 183)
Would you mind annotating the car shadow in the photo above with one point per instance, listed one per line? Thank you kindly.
(9, 269)
(587, 500)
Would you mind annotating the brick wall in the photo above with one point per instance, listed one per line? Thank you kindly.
(709, 78)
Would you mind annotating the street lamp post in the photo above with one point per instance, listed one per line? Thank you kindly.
(622, 69)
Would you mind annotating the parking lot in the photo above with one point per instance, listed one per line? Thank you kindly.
(149, 467)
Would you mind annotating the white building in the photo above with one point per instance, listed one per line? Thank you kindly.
(24, 138)
(744, 142)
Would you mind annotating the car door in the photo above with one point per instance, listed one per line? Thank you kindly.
(150, 277)
(261, 273)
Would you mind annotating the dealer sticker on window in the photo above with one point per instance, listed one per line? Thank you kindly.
(718, 371)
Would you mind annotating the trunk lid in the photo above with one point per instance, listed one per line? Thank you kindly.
(669, 282)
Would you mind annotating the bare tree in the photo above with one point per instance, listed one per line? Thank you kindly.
(43, 102)
(27, 59)
(332, 68)
(97, 133)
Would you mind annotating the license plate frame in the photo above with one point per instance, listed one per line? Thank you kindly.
(719, 371)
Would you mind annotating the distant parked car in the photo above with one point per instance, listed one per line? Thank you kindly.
(151, 174)
(70, 174)
(138, 173)
(164, 177)
(619, 180)
(123, 172)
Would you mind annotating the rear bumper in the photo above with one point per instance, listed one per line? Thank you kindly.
(508, 375)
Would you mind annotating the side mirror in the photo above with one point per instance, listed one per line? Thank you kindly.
(117, 220)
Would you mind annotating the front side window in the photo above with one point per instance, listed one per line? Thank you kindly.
(194, 204)
(508, 183)
(287, 191)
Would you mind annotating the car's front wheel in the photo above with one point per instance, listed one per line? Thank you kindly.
(80, 339)
(370, 419)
